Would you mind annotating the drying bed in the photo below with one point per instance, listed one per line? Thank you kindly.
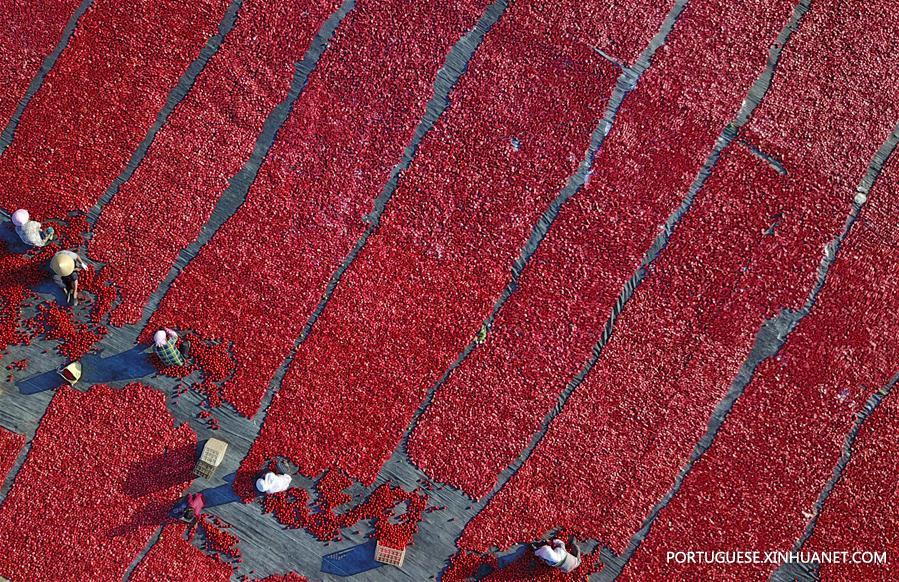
(421, 286)
(174, 558)
(489, 409)
(202, 146)
(272, 260)
(102, 472)
(10, 446)
(861, 512)
(758, 483)
(38, 28)
(100, 100)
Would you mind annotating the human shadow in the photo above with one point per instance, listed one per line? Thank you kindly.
(9, 235)
(514, 556)
(351, 561)
(130, 365)
(40, 383)
(50, 287)
(152, 514)
(221, 494)
(164, 471)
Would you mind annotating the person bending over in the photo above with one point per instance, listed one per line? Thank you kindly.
(165, 344)
(272, 483)
(556, 555)
(67, 264)
(30, 231)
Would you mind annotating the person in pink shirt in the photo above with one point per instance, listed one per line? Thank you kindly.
(195, 504)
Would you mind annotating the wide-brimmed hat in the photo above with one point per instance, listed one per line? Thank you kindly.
(62, 264)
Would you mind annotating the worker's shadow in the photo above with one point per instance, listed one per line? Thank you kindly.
(163, 471)
(45, 381)
(50, 287)
(131, 365)
(151, 514)
(221, 494)
(12, 240)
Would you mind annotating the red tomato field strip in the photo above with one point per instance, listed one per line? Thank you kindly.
(18, 273)
(99, 100)
(418, 290)
(862, 511)
(488, 410)
(836, 144)
(175, 559)
(261, 276)
(11, 444)
(647, 400)
(758, 483)
(29, 32)
(203, 144)
(104, 469)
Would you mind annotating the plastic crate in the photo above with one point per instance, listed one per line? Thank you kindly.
(388, 555)
(204, 470)
(210, 458)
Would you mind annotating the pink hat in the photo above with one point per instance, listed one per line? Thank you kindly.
(160, 338)
(20, 217)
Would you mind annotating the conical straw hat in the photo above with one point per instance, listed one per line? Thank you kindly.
(62, 264)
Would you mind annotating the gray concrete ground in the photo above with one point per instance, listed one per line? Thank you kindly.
(269, 548)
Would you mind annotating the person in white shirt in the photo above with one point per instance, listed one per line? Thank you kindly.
(30, 231)
(273, 483)
(555, 555)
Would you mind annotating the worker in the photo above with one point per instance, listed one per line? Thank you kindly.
(195, 504)
(273, 483)
(194, 508)
(555, 555)
(166, 346)
(67, 264)
(30, 231)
